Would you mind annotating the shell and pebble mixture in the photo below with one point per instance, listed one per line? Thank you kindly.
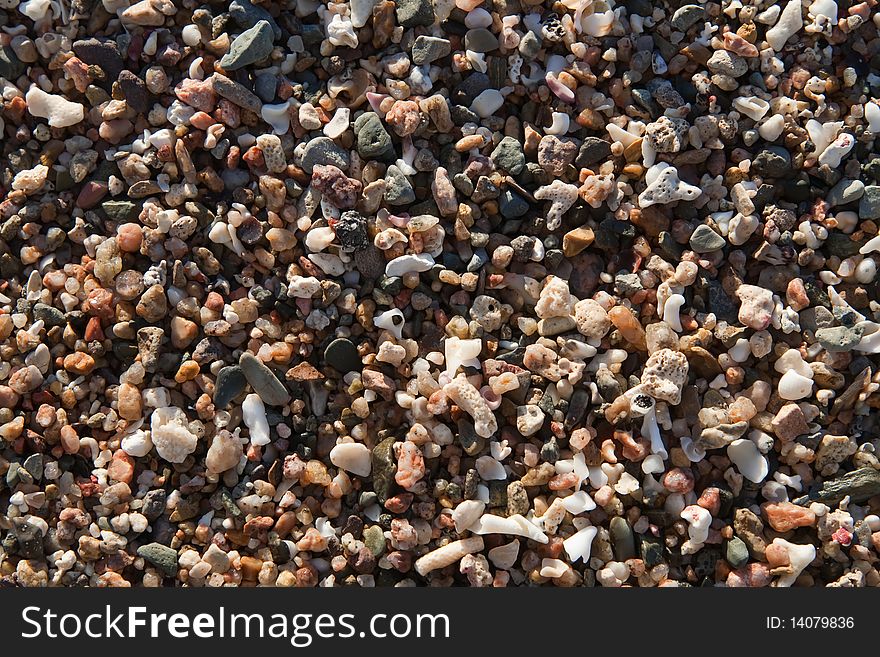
(439, 293)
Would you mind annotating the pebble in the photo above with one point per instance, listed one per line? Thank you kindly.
(342, 355)
(428, 49)
(251, 46)
(263, 381)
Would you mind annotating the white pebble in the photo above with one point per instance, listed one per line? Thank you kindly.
(352, 457)
(254, 415)
(748, 460)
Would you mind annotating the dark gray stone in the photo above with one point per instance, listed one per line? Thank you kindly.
(230, 384)
(249, 47)
(427, 49)
(161, 556)
(373, 140)
(324, 150)
(263, 381)
(412, 13)
(869, 205)
(341, 354)
(706, 240)
(508, 155)
(860, 485)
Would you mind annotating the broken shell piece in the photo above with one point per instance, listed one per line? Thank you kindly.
(466, 514)
(642, 404)
(504, 556)
(409, 263)
(799, 557)
(793, 386)
(515, 524)
(748, 460)
(460, 352)
(392, 321)
(277, 116)
(790, 21)
(578, 502)
(664, 186)
(579, 545)
(837, 150)
(671, 311)
(755, 108)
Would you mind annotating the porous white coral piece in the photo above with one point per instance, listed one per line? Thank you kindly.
(58, 110)
(465, 395)
(562, 197)
(169, 431)
(664, 186)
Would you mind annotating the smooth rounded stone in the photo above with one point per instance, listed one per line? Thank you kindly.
(352, 457)
(706, 240)
(869, 205)
(251, 46)
(686, 16)
(161, 556)
(341, 354)
(265, 86)
(414, 13)
(622, 539)
(263, 381)
(323, 150)
(373, 140)
(428, 49)
(844, 192)
(772, 162)
(480, 40)
(508, 155)
(487, 103)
